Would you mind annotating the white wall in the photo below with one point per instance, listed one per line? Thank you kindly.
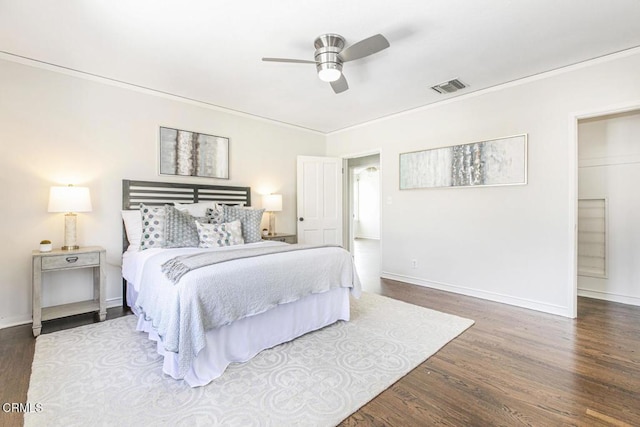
(509, 243)
(367, 194)
(609, 166)
(58, 129)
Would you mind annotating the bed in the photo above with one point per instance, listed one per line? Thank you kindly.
(261, 294)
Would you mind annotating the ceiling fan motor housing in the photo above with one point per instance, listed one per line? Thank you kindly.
(328, 46)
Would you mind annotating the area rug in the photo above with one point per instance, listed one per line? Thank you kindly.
(107, 374)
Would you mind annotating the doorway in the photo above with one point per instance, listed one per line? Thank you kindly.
(608, 205)
(362, 224)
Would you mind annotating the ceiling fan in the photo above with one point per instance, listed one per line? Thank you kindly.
(331, 54)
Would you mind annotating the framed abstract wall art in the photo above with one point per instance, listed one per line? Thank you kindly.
(187, 153)
(501, 161)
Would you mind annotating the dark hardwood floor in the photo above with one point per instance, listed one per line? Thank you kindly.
(513, 367)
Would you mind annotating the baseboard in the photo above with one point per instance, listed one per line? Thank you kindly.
(608, 296)
(114, 302)
(477, 293)
(10, 322)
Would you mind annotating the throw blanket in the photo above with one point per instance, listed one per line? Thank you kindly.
(215, 295)
(177, 267)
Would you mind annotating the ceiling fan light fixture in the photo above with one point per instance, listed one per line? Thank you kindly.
(330, 54)
(329, 71)
(329, 75)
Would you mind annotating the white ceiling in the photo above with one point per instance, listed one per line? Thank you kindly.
(211, 50)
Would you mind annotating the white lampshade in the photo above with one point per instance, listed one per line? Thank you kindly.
(69, 199)
(272, 202)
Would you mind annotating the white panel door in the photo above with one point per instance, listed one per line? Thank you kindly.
(319, 200)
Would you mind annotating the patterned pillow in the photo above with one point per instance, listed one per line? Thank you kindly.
(215, 235)
(180, 229)
(215, 215)
(250, 220)
(153, 220)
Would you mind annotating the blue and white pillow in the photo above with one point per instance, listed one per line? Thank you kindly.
(180, 229)
(215, 215)
(216, 235)
(250, 220)
(153, 222)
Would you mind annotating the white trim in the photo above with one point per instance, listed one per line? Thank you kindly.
(113, 82)
(347, 222)
(573, 187)
(609, 161)
(626, 107)
(608, 296)
(572, 280)
(476, 293)
(114, 302)
(371, 152)
(367, 238)
(524, 80)
(142, 89)
(9, 322)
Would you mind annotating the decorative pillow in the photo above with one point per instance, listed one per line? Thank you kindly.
(153, 220)
(180, 229)
(133, 228)
(249, 218)
(215, 235)
(215, 215)
(196, 209)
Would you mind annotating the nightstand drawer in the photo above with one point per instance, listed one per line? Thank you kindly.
(281, 237)
(70, 261)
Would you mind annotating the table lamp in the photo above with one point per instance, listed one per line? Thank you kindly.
(69, 199)
(272, 203)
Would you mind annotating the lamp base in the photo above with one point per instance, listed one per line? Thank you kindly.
(272, 224)
(70, 232)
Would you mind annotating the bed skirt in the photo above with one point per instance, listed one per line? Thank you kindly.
(244, 338)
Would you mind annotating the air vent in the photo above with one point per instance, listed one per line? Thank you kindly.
(449, 87)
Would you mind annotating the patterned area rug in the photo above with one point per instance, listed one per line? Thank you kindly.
(109, 374)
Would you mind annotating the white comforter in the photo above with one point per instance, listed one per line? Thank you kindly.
(182, 313)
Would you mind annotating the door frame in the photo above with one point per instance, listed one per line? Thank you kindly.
(573, 191)
(347, 196)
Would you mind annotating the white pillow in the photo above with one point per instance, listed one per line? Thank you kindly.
(196, 209)
(133, 227)
(215, 235)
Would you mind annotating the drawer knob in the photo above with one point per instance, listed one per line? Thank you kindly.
(71, 259)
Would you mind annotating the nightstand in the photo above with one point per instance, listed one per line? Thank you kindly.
(282, 237)
(58, 260)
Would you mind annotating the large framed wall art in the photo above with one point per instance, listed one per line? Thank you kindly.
(189, 153)
(501, 161)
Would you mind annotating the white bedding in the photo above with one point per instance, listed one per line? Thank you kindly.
(190, 333)
(243, 339)
(133, 260)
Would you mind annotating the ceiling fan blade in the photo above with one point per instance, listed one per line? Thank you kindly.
(340, 85)
(296, 61)
(365, 47)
